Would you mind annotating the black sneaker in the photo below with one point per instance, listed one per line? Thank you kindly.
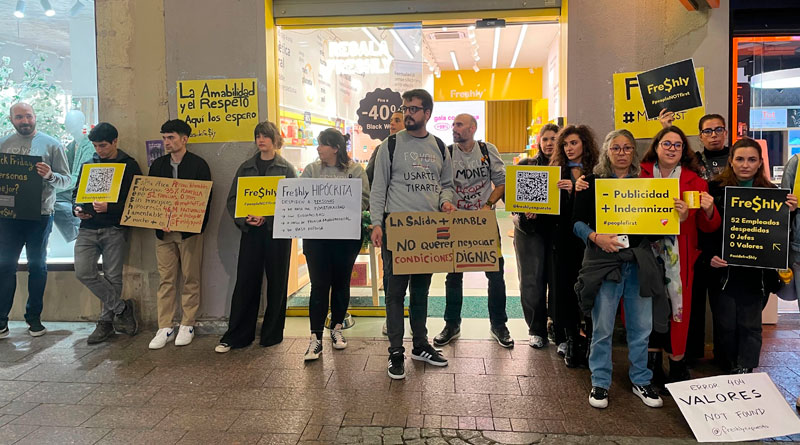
(598, 398)
(102, 332)
(4, 332)
(501, 334)
(649, 395)
(448, 334)
(35, 328)
(397, 369)
(126, 322)
(429, 355)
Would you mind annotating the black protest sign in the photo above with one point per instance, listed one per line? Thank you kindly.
(756, 227)
(20, 187)
(375, 110)
(672, 86)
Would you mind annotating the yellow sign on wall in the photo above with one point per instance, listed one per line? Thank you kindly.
(637, 206)
(100, 182)
(629, 110)
(533, 189)
(219, 110)
(255, 195)
(499, 84)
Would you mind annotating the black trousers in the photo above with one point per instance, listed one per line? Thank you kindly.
(259, 253)
(330, 266)
(568, 315)
(738, 315)
(536, 273)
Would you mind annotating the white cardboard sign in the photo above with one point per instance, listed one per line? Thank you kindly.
(324, 208)
(732, 408)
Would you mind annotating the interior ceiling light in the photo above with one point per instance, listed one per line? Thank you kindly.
(19, 11)
(401, 43)
(788, 78)
(371, 37)
(475, 67)
(454, 59)
(519, 44)
(76, 9)
(496, 47)
(48, 9)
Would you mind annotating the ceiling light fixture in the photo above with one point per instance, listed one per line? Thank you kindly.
(455, 61)
(519, 44)
(402, 43)
(76, 9)
(460, 80)
(371, 37)
(496, 47)
(475, 67)
(19, 11)
(48, 9)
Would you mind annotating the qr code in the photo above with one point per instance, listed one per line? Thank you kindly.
(100, 179)
(532, 186)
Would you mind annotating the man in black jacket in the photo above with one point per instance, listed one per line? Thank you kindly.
(101, 234)
(178, 250)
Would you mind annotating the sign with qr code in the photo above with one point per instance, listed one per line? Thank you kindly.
(20, 187)
(637, 206)
(533, 189)
(100, 182)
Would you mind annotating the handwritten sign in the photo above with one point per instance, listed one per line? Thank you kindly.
(672, 86)
(756, 227)
(20, 187)
(164, 203)
(219, 110)
(533, 189)
(100, 182)
(731, 408)
(255, 195)
(318, 209)
(637, 206)
(432, 242)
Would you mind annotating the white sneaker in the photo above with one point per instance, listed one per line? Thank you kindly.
(222, 348)
(536, 342)
(562, 349)
(337, 338)
(185, 335)
(314, 349)
(163, 336)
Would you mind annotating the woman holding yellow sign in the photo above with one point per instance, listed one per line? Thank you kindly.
(259, 253)
(743, 290)
(670, 156)
(614, 267)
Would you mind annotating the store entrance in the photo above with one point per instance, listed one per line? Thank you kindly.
(351, 78)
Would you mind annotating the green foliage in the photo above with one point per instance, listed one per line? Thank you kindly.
(366, 229)
(37, 89)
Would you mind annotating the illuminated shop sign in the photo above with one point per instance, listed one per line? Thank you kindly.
(356, 57)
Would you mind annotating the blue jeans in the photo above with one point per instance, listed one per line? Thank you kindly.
(14, 235)
(638, 324)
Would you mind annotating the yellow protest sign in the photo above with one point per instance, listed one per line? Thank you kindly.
(636, 206)
(219, 110)
(796, 187)
(166, 203)
(533, 189)
(256, 195)
(629, 110)
(100, 182)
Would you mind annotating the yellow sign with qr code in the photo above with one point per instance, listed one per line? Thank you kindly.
(256, 195)
(100, 182)
(533, 189)
(637, 206)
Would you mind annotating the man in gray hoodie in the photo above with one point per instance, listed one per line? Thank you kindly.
(413, 173)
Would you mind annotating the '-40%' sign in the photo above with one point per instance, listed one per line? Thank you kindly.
(162, 203)
(432, 242)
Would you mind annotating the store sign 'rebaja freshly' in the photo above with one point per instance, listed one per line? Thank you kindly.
(360, 56)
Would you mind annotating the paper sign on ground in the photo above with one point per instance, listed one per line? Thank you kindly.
(533, 189)
(255, 195)
(100, 182)
(732, 408)
(672, 86)
(629, 112)
(20, 187)
(219, 110)
(637, 206)
(756, 227)
(165, 203)
(318, 209)
(432, 242)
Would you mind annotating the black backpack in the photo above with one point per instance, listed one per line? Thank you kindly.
(485, 159)
(393, 143)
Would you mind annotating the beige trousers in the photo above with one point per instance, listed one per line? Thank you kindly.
(173, 254)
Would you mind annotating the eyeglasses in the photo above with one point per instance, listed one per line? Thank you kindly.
(625, 149)
(718, 131)
(667, 145)
(410, 109)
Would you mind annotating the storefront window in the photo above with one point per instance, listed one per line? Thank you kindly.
(48, 59)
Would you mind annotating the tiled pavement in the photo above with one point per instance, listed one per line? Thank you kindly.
(57, 389)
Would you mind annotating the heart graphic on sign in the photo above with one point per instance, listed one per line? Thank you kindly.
(664, 222)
